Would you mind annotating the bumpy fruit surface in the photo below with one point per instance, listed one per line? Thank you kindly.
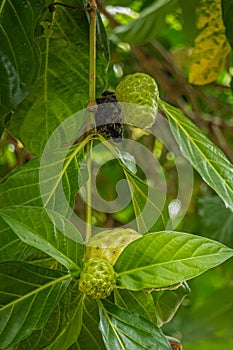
(97, 278)
(109, 244)
(140, 92)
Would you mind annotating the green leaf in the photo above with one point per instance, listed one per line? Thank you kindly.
(127, 160)
(19, 54)
(13, 186)
(71, 328)
(122, 329)
(162, 259)
(167, 302)
(137, 302)
(61, 88)
(40, 183)
(148, 203)
(216, 220)
(34, 227)
(11, 247)
(227, 13)
(90, 337)
(61, 176)
(29, 294)
(205, 157)
(63, 326)
(148, 25)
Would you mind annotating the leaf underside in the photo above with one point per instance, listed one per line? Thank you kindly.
(210, 162)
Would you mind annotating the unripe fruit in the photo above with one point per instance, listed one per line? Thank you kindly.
(97, 278)
(141, 90)
(109, 244)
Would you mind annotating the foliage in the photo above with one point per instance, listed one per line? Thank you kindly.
(62, 181)
(208, 62)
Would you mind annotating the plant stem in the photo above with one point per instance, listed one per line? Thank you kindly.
(92, 53)
(92, 102)
(88, 195)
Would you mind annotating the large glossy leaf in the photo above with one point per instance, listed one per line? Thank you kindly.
(211, 163)
(90, 337)
(61, 176)
(227, 13)
(63, 326)
(37, 183)
(34, 227)
(21, 185)
(148, 201)
(148, 25)
(29, 293)
(163, 259)
(11, 247)
(149, 205)
(167, 302)
(19, 54)
(216, 220)
(137, 302)
(124, 330)
(61, 88)
(71, 328)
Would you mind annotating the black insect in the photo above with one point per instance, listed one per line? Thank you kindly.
(108, 117)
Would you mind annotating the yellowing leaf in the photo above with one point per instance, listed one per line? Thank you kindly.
(211, 45)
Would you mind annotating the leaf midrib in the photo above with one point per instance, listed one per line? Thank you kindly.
(141, 268)
(58, 252)
(192, 141)
(67, 163)
(47, 285)
(2, 6)
(113, 326)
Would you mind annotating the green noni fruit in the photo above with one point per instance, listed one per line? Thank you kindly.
(109, 244)
(140, 93)
(97, 278)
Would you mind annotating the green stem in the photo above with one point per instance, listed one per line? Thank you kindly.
(92, 102)
(89, 196)
(92, 53)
